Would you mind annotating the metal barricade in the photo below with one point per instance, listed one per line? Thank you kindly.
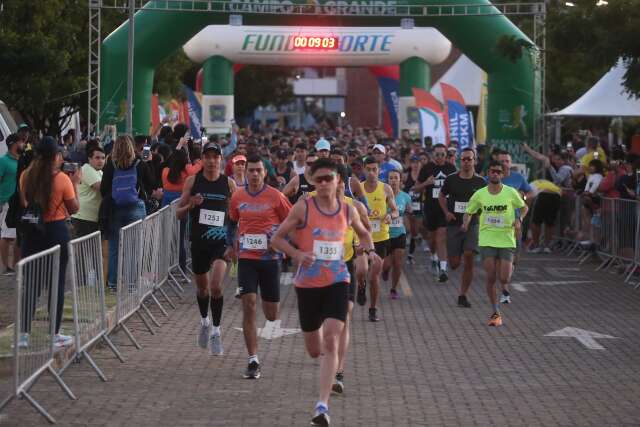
(89, 308)
(620, 224)
(152, 237)
(177, 239)
(128, 297)
(36, 305)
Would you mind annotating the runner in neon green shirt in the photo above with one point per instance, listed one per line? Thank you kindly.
(496, 203)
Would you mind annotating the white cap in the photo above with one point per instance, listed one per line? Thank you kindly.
(322, 144)
(380, 148)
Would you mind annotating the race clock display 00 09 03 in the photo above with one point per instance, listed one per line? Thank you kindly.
(316, 42)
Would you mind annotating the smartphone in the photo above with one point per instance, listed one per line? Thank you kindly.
(596, 155)
(69, 167)
(146, 153)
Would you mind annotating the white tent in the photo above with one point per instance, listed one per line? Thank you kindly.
(607, 98)
(465, 76)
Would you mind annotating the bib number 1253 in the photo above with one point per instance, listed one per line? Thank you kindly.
(211, 218)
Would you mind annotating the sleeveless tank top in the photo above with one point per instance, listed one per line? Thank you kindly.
(377, 202)
(323, 234)
(209, 220)
(350, 238)
(304, 187)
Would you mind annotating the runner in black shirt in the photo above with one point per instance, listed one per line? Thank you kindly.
(415, 221)
(454, 195)
(430, 180)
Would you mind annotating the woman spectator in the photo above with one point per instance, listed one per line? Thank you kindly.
(125, 183)
(175, 174)
(48, 193)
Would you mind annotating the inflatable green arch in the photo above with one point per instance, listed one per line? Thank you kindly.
(513, 90)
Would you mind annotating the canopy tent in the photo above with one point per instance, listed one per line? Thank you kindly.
(465, 76)
(607, 98)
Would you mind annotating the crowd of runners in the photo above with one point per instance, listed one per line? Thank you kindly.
(344, 211)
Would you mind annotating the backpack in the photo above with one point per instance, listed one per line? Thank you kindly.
(124, 187)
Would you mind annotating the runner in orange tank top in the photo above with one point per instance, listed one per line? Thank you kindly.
(319, 224)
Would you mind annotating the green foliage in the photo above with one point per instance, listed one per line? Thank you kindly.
(261, 85)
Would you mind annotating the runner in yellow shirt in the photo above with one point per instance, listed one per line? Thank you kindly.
(496, 203)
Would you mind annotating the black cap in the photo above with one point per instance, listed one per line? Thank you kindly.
(12, 139)
(211, 146)
(282, 154)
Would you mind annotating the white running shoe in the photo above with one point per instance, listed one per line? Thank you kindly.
(203, 335)
(215, 345)
(23, 340)
(505, 299)
(546, 250)
(60, 340)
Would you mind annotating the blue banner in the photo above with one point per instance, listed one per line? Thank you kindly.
(195, 113)
(390, 88)
(460, 128)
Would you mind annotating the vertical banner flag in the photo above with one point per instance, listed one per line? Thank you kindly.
(456, 113)
(432, 122)
(481, 126)
(389, 81)
(195, 113)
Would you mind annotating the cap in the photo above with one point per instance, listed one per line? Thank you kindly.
(380, 148)
(282, 154)
(415, 158)
(322, 144)
(48, 147)
(23, 126)
(11, 139)
(238, 158)
(211, 146)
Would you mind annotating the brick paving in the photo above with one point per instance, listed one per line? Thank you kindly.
(427, 362)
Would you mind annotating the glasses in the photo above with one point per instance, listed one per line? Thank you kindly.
(439, 154)
(466, 159)
(495, 171)
(324, 178)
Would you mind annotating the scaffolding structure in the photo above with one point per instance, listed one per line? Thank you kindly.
(536, 9)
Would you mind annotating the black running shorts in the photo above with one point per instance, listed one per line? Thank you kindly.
(204, 253)
(545, 209)
(381, 248)
(399, 242)
(317, 304)
(263, 274)
(434, 218)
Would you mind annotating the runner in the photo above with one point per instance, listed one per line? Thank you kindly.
(320, 223)
(283, 169)
(300, 157)
(497, 204)
(416, 230)
(397, 234)
(381, 201)
(257, 210)
(206, 196)
(430, 180)
(454, 196)
(299, 185)
(239, 165)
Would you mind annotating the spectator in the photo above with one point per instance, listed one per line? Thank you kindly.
(85, 221)
(175, 174)
(593, 152)
(8, 177)
(49, 195)
(125, 196)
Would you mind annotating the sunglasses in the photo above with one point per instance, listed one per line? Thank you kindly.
(495, 171)
(466, 159)
(324, 178)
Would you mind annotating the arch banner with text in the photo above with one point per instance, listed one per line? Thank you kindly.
(514, 93)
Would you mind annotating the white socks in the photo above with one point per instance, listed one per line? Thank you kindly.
(443, 265)
(254, 358)
(215, 330)
(204, 321)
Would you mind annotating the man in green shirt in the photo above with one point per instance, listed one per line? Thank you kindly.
(8, 174)
(85, 221)
(496, 204)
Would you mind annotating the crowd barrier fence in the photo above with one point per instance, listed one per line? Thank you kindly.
(35, 324)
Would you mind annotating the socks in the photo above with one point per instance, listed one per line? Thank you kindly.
(216, 310)
(434, 258)
(254, 358)
(322, 408)
(443, 265)
(205, 321)
(215, 330)
(203, 305)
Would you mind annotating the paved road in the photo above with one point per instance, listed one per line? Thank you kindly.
(427, 362)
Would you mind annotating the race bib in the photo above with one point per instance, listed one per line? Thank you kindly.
(396, 222)
(435, 193)
(460, 207)
(327, 251)
(494, 221)
(212, 218)
(415, 206)
(254, 241)
(375, 226)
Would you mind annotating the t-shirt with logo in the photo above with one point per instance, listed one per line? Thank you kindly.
(403, 202)
(497, 215)
(258, 216)
(440, 173)
(458, 191)
(377, 203)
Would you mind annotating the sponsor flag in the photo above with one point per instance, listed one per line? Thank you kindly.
(194, 112)
(457, 115)
(389, 81)
(431, 114)
(481, 126)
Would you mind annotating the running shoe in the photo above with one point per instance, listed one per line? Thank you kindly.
(322, 417)
(253, 371)
(495, 320)
(203, 335)
(373, 315)
(505, 298)
(238, 292)
(535, 250)
(463, 301)
(410, 259)
(215, 345)
(435, 268)
(443, 276)
(338, 384)
(361, 298)
(60, 340)
(393, 294)
(385, 275)
(546, 250)
(9, 272)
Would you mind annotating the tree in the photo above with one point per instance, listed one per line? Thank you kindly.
(261, 85)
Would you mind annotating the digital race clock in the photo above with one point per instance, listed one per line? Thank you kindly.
(315, 42)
